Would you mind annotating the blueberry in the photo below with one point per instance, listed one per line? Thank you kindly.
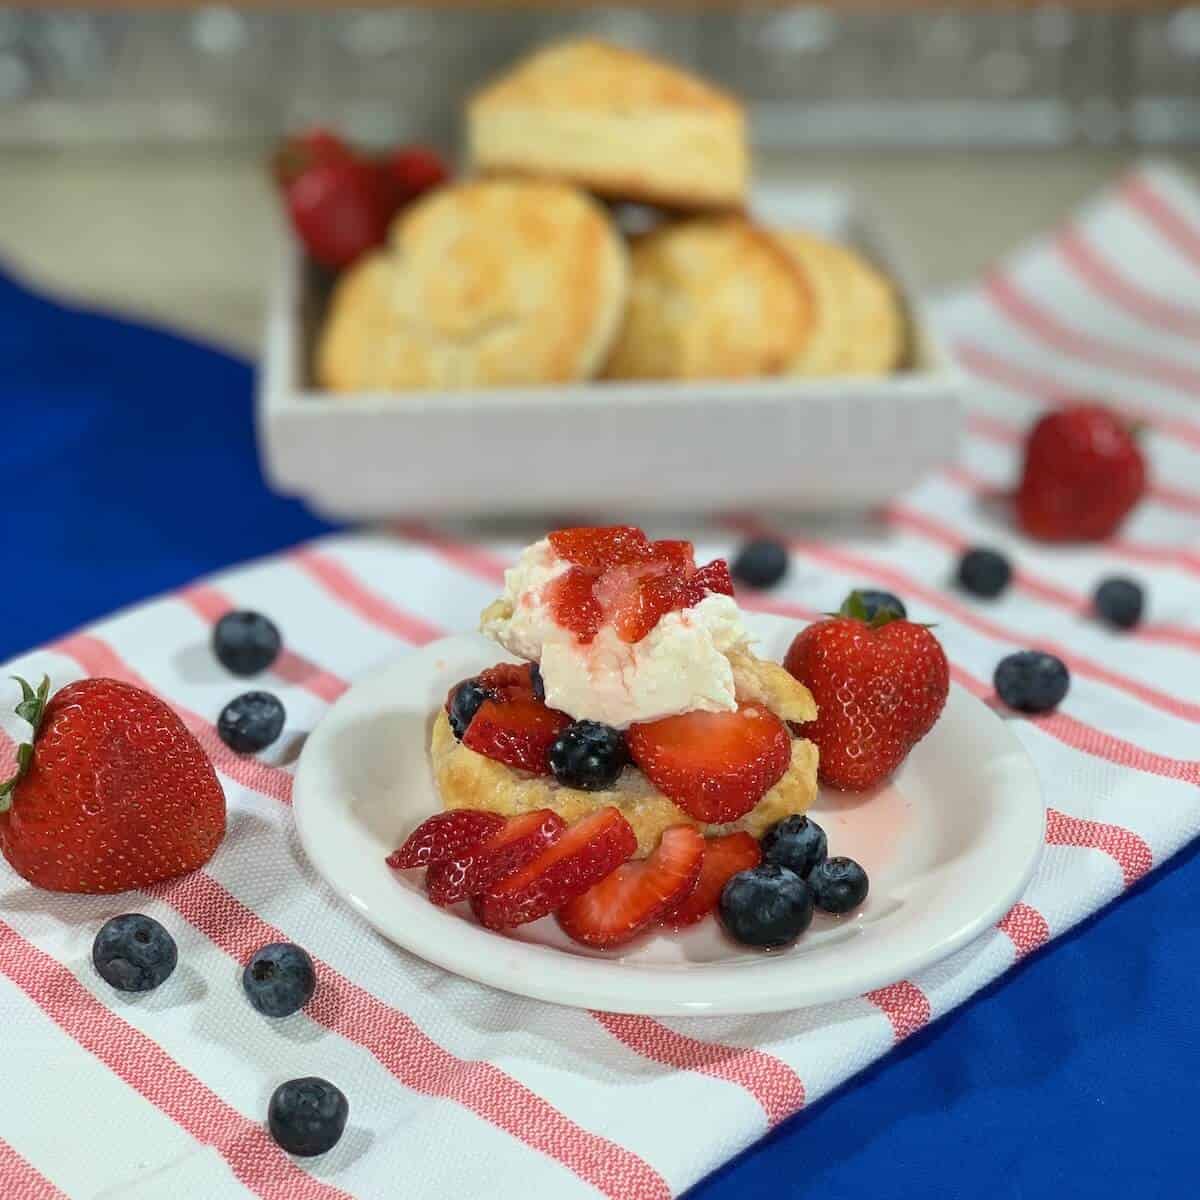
(838, 885)
(1032, 681)
(307, 1116)
(134, 953)
(279, 979)
(464, 704)
(767, 906)
(588, 755)
(246, 642)
(1119, 602)
(251, 722)
(796, 843)
(761, 563)
(875, 601)
(984, 572)
(537, 683)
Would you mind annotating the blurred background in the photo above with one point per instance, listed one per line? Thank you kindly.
(132, 140)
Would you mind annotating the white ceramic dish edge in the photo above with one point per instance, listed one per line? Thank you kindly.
(348, 853)
(797, 444)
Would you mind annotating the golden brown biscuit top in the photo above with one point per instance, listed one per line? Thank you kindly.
(714, 298)
(858, 323)
(591, 73)
(488, 283)
(483, 255)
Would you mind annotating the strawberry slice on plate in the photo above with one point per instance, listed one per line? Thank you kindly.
(601, 546)
(618, 575)
(636, 597)
(444, 836)
(634, 896)
(516, 730)
(646, 600)
(507, 679)
(715, 766)
(714, 577)
(587, 852)
(508, 849)
(572, 598)
(676, 551)
(724, 857)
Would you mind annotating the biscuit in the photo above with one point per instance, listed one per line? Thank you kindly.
(621, 124)
(488, 283)
(711, 298)
(356, 326)
(857, 322)
(469, 780)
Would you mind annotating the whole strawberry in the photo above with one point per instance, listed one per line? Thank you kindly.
(339, 210)
(879, 686)
(306, 148)
(113, 793)
(411, 171)
(1083, 473)
(340, 199)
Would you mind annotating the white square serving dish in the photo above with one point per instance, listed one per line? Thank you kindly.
(791, 444)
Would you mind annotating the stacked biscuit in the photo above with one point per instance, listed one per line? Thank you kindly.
(521, 276)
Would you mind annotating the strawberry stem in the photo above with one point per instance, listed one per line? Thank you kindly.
(855, 607)
(31, 708)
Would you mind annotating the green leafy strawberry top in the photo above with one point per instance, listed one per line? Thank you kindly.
(853, 606)
(31, 708)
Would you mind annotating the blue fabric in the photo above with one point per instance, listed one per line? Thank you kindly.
(129, 467)
(127, 463)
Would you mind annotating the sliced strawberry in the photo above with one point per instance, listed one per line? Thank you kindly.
(517, 841)
(598, 547)
(724, 857)
(715, 766)
(636, 895)
(679, 553)
(637, 596)
(502, 681)
(623, 578)
(714, 577)
(582, 856)
(648, 600)
(504, 677)
(572, 600)
(444, 836)
(516, 730)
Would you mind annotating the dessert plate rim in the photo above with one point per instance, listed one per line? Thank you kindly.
(350, 814)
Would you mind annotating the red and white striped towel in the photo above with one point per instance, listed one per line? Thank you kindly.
(457, 1090)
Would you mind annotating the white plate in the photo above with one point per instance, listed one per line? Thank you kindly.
(948, 849)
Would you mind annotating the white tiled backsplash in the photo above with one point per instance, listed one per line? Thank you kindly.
(813, 76)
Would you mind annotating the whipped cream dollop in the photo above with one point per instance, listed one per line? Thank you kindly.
(681, 665)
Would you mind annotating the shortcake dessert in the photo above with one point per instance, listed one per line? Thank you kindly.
(640, 767)
(639, 691)
(623, 772)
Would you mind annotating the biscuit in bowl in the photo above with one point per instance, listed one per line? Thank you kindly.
(619, 123)
(468, 780)
(857, 321)
(711, 298)
(488, 283)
